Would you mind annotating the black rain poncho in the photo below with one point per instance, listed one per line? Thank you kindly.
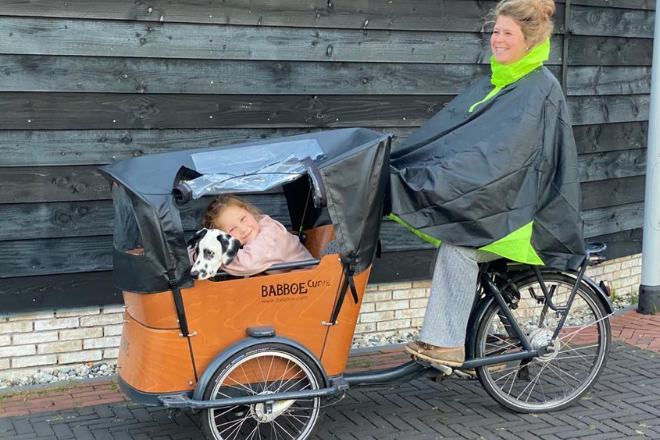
(502, 178)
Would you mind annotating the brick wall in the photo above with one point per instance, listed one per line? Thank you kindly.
(68, 338)
(58, 339)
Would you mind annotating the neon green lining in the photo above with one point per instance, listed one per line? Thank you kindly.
(420, 234)
(516, 246)
(503, 75)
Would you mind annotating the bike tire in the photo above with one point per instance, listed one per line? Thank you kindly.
(569, 371)
(263, 369)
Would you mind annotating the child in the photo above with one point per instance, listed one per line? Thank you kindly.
(264, 241)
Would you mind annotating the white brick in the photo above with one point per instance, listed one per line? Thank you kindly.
(15, 327)
(17, 350)
(376, 316)
(371, 288)
(4, 364)
(5, 340)
(111, 353)
(417, 322)
(59, 347)
(109, 342)
(418, 303)
(46, 314)
(410, 293)
(393, 325)
(13, 373)
(409, 313)
(377, 297)
(33, 361)
(112, 330)
(394, 286)
(635, 270)
(595, 271)
(421, 284)
(81, 333)
(80, 356)
(365, 328)
(117, 308)
(392, 305)
(368, 307)
(55, 324)
(84, 311)
(629, 264)
(34, 338)
(92, 321)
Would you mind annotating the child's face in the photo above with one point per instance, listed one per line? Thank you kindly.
(239, 223)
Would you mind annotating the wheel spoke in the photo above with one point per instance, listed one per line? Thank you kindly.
(560, 376)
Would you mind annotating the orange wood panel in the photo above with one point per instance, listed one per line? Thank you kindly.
(154, 361)
(221, 312)
(340, 336)
(156, 310)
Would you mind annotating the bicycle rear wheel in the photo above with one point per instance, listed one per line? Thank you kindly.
(576, 357)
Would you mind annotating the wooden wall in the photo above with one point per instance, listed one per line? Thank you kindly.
(87, 83)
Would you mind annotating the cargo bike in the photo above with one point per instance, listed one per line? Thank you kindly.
(260, 357)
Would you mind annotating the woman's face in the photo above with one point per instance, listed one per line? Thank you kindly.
(507, 42)
(239, 223)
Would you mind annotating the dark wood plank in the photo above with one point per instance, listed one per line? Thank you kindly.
(394, 267)
(92, 147)
(610, 51)
(610, 137)
(613, 192)
(23, 36)
(35, 73)
(66, 111)
(58, 292)
(92, 111)
(610, 220)
(55, 256)
(606, 80)
(612, 22)
(447, 15)
(624, 4)
(52, 184)
(587, 110)
(613, 165)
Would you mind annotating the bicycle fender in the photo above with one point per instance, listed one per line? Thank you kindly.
(230, 351)
(473, 325)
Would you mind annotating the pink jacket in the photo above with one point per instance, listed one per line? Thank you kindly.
(274, 244)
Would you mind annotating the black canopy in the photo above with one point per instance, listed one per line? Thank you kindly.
(150, 248)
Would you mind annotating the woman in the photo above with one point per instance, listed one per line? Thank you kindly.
(492, 175)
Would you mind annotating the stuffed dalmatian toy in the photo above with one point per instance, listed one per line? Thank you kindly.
(213, 248)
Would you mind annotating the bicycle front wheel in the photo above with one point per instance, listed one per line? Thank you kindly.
(574, 359)
(267, 368)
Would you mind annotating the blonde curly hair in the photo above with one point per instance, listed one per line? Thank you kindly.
(533, 16)
(215, 209)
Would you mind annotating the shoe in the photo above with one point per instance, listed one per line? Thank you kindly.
(450, 356)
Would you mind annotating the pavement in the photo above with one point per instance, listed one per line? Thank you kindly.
(624, 404)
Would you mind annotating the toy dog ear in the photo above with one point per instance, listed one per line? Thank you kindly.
(230, 247)
(197, 237)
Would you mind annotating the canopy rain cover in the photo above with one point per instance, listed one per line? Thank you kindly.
(471, 179)
(150, 247)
